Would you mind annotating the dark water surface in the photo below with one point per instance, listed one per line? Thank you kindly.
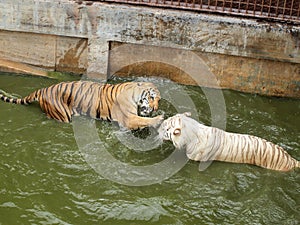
(44, 179)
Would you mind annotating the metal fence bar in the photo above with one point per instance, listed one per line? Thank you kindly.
(291, 9)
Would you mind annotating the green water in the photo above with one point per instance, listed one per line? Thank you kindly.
(45, 179)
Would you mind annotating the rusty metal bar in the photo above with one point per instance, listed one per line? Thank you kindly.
(283, 9)
(247, 6)
(200, 5)
(269, 7)
(291, 13)
(262, 7)
(223, 7)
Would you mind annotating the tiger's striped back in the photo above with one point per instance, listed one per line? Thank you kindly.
(58, 101)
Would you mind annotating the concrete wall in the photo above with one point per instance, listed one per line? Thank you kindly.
(243, 54)
(52, 52)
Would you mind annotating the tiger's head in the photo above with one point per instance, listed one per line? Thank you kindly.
(148, 99)
(172, 129)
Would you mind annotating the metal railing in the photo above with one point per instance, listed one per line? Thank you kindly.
(279, 10)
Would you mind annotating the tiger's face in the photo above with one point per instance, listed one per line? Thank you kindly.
(171, 129)
(148, 101)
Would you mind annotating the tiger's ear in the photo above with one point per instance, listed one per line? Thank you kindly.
(177, 131)
(177, 127)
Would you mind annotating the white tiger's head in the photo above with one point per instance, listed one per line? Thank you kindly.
(172, 129)
(148, 99)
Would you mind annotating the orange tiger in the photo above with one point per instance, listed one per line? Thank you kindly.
(126, 103)
(203, 143)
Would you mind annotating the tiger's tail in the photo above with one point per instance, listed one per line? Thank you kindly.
(23, 101)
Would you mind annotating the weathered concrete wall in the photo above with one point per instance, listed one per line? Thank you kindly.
(239, 51)
(245, 74)
(52, 52)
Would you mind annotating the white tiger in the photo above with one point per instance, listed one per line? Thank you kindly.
(203, 143)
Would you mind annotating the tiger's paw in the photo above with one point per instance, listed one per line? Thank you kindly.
(157, 121)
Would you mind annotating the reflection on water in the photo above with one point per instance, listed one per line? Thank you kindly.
(44, 178)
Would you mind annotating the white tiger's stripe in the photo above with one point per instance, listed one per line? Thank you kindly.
(249, 149)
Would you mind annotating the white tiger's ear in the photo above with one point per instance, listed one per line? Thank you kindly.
(187, 114)
(177, 127)
(177, 131)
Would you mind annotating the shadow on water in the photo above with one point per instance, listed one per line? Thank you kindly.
(45, 179)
